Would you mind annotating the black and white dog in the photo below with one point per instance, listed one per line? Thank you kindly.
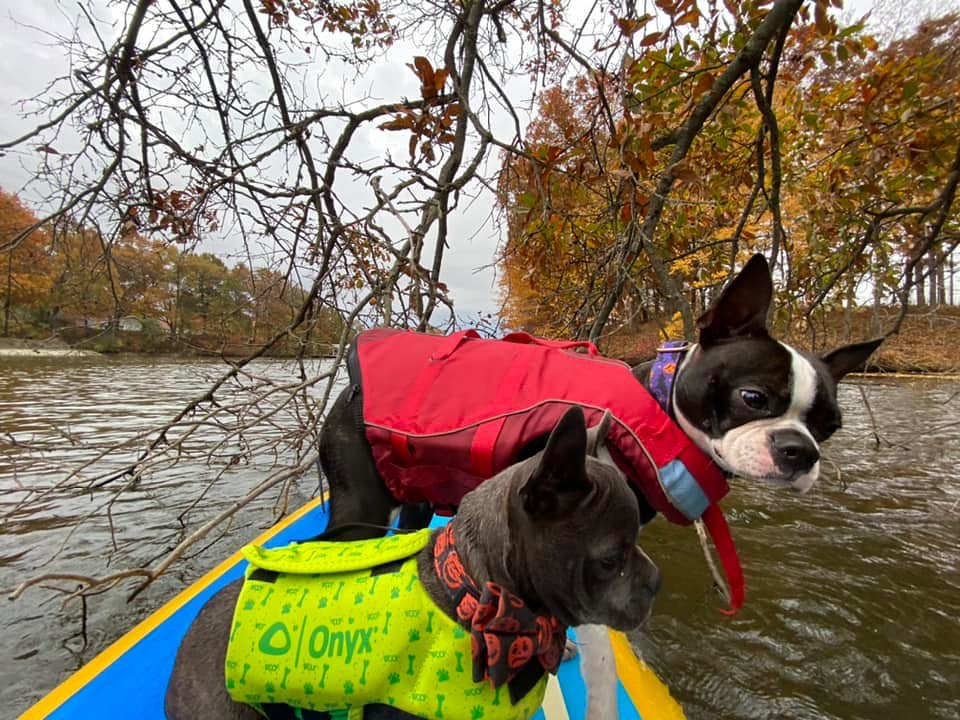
(757, 406)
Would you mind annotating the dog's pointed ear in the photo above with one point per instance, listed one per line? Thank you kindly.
(848, 358)
(741, 310)
(559, 482)
(598, 433)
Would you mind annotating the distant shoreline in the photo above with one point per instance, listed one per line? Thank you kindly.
(45, 352)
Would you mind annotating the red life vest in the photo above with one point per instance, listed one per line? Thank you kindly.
(444, 413)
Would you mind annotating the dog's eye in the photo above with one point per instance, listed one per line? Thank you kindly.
(610, 564)
(754, 399)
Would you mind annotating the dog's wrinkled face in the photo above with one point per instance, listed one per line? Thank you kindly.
(759, 407)
(574, 527)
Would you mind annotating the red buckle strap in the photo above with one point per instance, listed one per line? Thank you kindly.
(485, 439)
(719, 531)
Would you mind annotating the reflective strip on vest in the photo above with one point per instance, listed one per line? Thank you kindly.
(683, 491)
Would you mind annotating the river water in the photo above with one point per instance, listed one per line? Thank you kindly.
(853, 591)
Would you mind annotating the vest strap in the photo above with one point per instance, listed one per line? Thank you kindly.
(719, 531)
(485, 438)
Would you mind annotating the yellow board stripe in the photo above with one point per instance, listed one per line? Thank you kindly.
(56, 697)
(648, 693)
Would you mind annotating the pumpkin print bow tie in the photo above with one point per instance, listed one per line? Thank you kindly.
(506, 634)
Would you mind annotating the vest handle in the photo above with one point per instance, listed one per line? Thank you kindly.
(525, 338)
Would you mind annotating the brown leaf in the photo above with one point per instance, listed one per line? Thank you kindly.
(684, 173)
(689, 18)
(440, 78)
(403, 122)
(424, 71)
(821, 18)
(628, 26)
(651, 39)
(704, 83)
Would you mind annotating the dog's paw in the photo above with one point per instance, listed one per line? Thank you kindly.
(570, 650)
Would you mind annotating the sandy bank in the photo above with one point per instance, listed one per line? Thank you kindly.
(51, 347)
(45, 352)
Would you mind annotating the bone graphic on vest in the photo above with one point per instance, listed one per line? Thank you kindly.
(410, 658)
(286, 674)
(440, 699)
(243, 675)
(363, 674)
(266, 597)
(323, 677)
(236, 626)
(306, 591)
(411, 583)
(386, 625)
(459, 661)
(340, 586)
(429, 627)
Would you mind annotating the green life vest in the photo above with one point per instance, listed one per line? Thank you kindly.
(314, 628)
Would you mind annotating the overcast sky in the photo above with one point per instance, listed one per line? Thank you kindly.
(32, 59)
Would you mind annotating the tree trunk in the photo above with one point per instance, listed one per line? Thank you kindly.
(953, 299)
(932, 277)
(941, 282)
(918, 284)
(6, 299)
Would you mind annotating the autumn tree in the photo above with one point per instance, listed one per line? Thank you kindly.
(821, 155)
(26, 268)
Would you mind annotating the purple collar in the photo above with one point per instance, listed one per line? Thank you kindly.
(664, 372)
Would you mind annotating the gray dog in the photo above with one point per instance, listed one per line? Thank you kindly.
(557, 531)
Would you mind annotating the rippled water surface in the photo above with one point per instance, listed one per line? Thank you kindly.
(853, 590)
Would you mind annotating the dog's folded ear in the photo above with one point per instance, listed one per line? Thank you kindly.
(559, 482)
(848, 358)
(598, 433)
(741, 310)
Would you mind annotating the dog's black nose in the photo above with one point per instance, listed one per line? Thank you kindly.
(793, 450)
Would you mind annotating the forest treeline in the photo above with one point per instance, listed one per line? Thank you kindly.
(139, 294)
